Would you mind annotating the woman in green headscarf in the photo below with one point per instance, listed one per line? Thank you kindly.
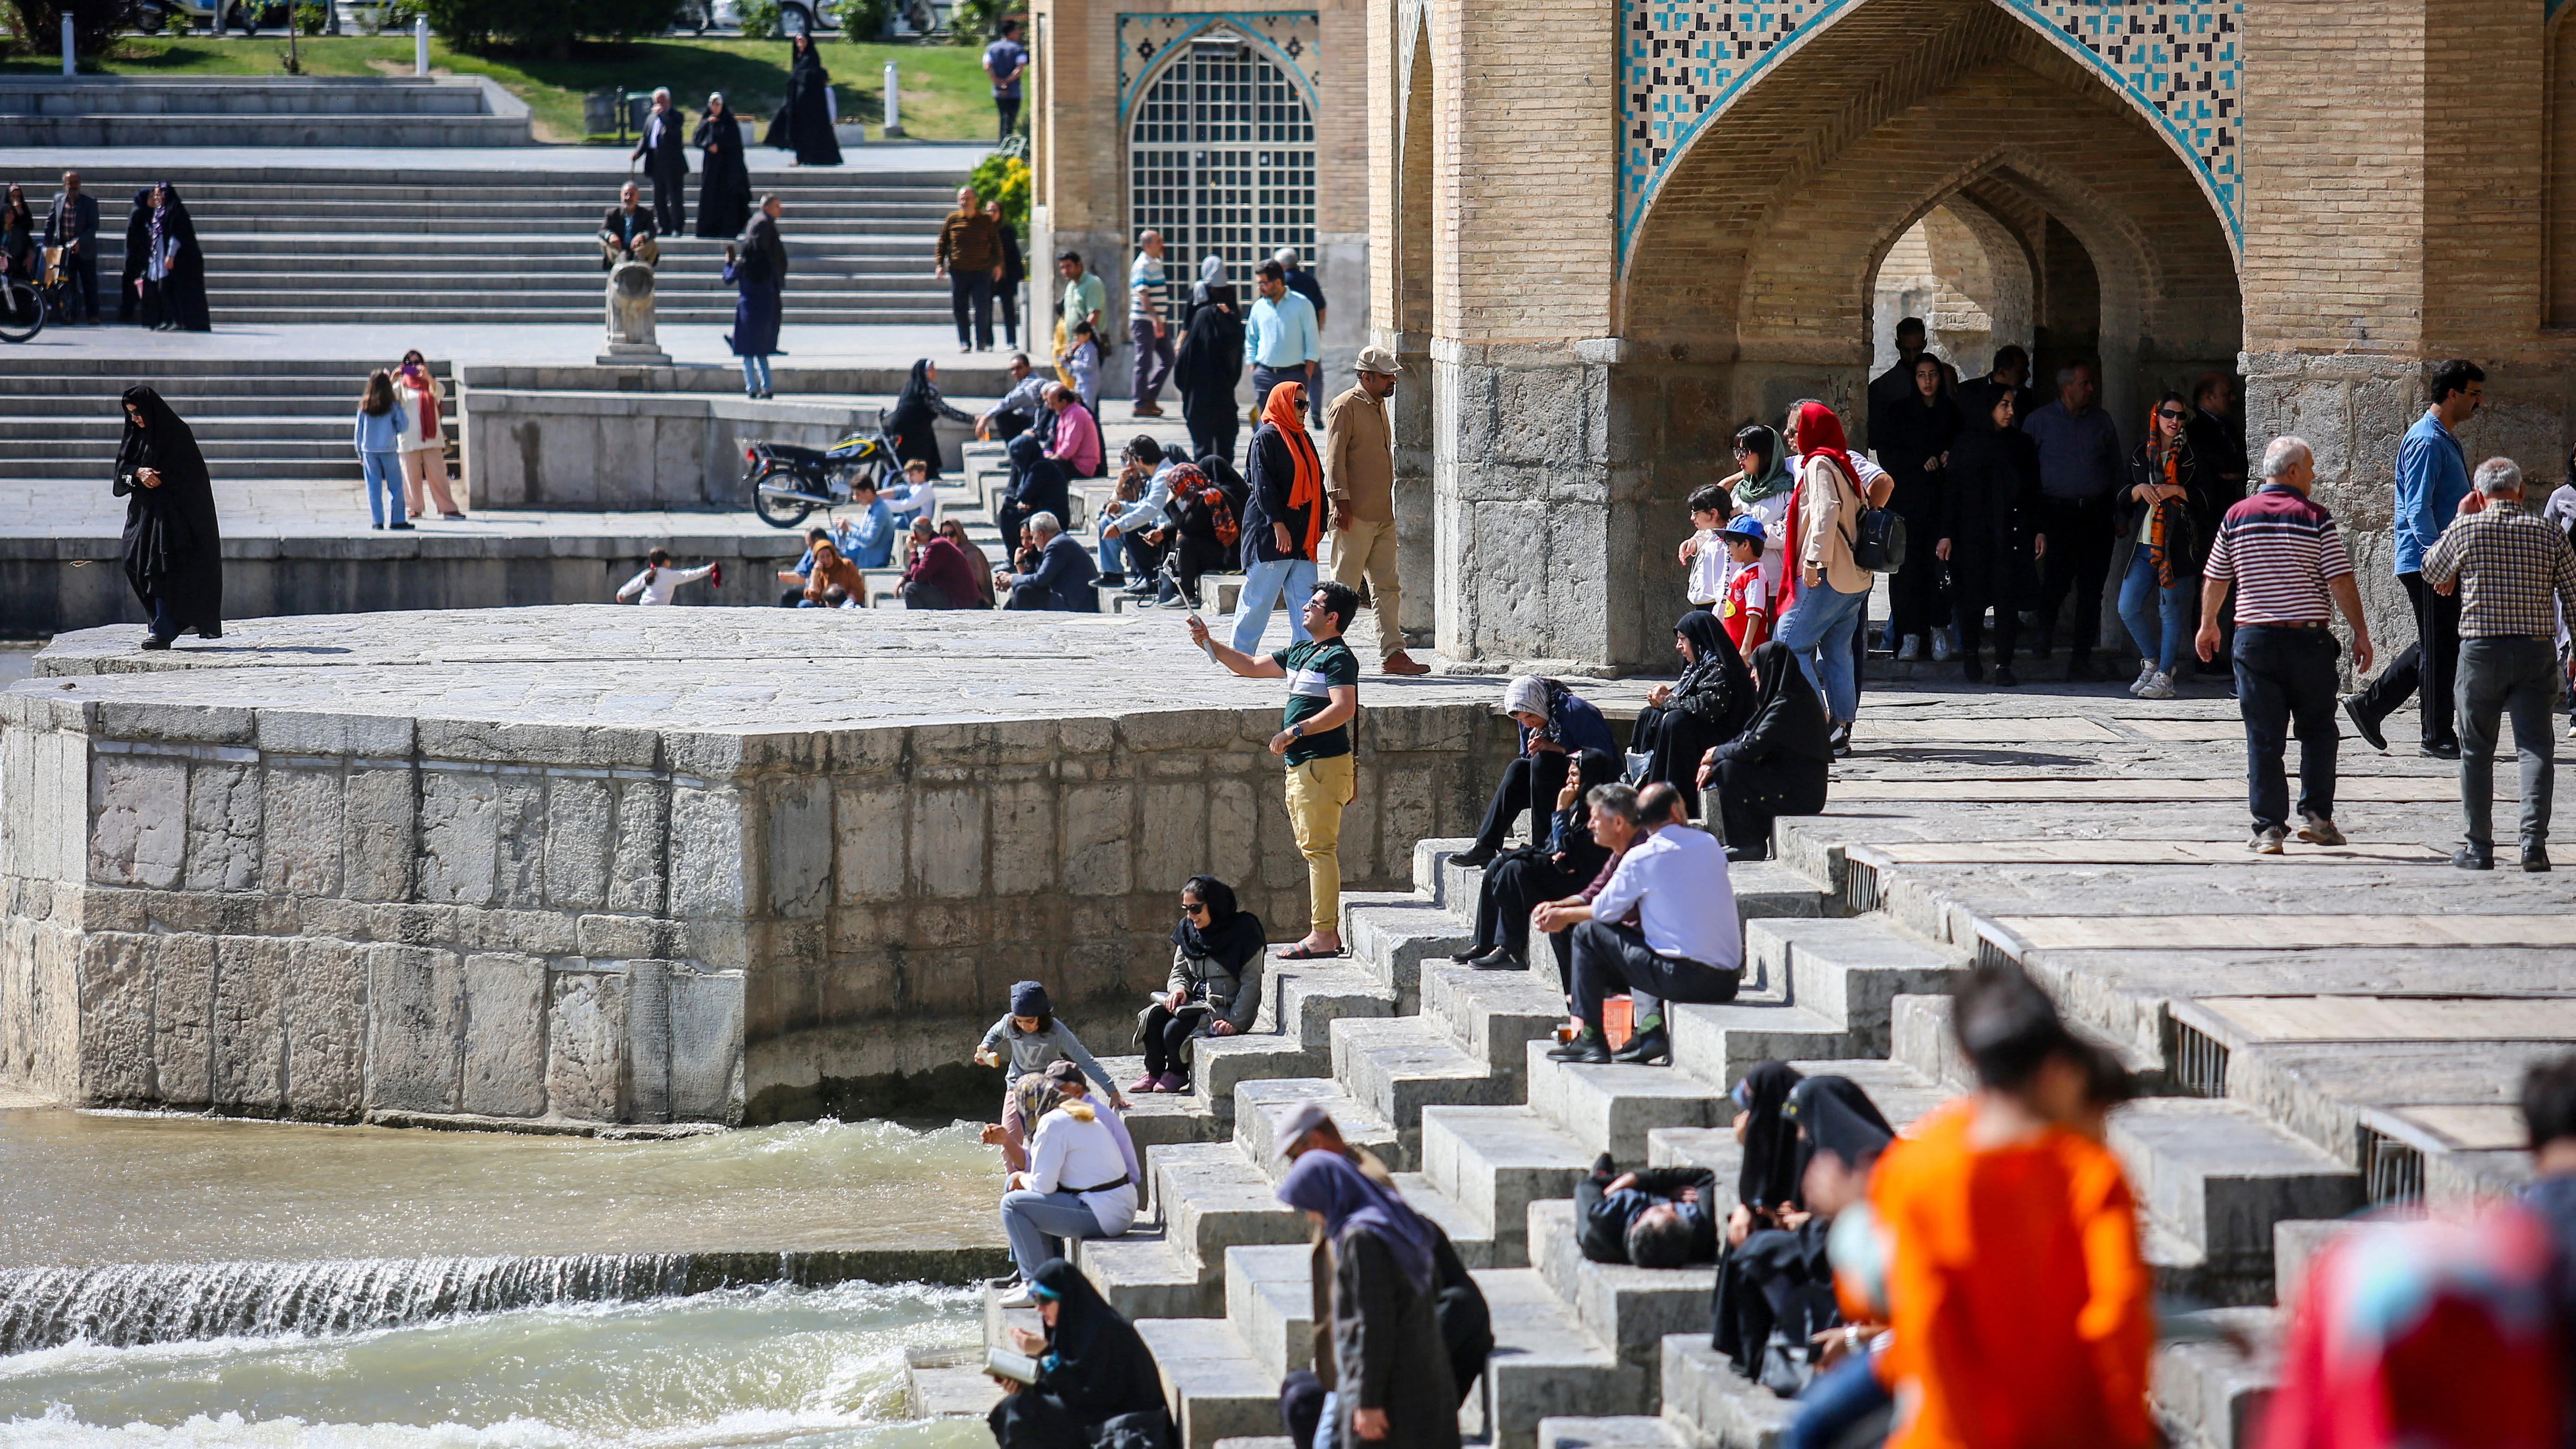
(1764, 488)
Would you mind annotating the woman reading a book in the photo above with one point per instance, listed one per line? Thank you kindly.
(1088, 1380)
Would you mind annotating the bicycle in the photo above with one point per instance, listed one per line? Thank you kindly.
(22, 310)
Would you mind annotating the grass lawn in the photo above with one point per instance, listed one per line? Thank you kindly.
(945, 94)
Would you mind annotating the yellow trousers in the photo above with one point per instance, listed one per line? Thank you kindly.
(1367, 550)
(1317, 791)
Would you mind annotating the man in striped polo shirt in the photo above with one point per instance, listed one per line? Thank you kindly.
(2288, 564)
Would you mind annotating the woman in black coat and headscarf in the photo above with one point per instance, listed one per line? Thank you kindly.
(1779, 765)
(913, 422)
(724, 177)
(804, 123)
(1518, 880)
(1093, 1369)
(174, 553)
(138, 246)
(1989, 534)
(174, 269)
(1037, 486)
(1912, 440)
(1707, 706)
(1774, 1283)
(1392, 1370)
(1209, 362)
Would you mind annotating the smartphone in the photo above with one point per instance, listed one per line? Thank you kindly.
(1209, 647)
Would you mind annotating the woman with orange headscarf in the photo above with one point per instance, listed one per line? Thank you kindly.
(1283, 519)
(1824, 592)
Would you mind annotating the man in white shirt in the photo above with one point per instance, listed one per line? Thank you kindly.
(1687, 945)
(1081, 1181)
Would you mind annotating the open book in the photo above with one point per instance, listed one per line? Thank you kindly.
(1019, 1368)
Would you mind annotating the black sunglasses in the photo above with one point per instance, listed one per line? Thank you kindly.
(2170, 417)
(1188, 909)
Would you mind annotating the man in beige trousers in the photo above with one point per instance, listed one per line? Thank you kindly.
(1359, 478)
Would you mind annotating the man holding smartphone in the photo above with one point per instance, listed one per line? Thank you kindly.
(1315, 737)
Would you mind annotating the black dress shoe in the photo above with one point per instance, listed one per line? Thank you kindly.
(1646, 1048)
(2363, 725)
(157, 641)
(2439, 749)
(2469, 857)
(1474, 954)
(2535, 856)
(2005, 678)
(1587, 1047)
(211, 631)
(1972, 669)
(1499, 961)
(1475, 857)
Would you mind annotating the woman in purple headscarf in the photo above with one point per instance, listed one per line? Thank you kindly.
(1391, 1378)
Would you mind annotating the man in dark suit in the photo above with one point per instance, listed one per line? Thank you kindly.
(73, 226)
(667, 161)
(1065, 575)
(626, 234)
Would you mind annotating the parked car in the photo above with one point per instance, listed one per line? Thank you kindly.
(246, 16)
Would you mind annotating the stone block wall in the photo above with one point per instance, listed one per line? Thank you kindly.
(345, 917)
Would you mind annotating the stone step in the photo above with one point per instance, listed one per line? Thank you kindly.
(1712, 1404)
(1494, 1013)
(1493, 1162)
(219, 129)
(1633, 1431)
(1215, 1386)
(1849, 969)
(1398, 934)
(1210, 1198)
(2209, 1391)
(1291, 1037)
(1269, 1298)
(1472, 1239)
(1901, 1094)
(1719, 1044)
(1610, 1108)
(1919, 1037)
(1400, 1066)
(1260, 1106)
(2219, 1178)
(1546, 1365)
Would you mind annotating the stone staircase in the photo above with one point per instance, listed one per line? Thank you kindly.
(268, 420)
(1442, 1071)
(514, 243)
(260, 111)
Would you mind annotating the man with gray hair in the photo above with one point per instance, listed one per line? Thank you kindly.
(1064, 578)
(2281, 551)
(2511, 570)
(666, 160)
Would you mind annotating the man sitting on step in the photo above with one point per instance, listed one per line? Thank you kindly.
(1657, 1218)
(626, 232)
(1687, 945)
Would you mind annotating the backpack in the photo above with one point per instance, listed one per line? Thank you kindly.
(1877, 544)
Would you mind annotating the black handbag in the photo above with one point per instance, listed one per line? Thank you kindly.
(1878, 546)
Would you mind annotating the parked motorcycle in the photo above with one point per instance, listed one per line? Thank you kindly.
(788, 482)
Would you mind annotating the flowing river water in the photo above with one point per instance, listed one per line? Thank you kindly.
(187, 1282)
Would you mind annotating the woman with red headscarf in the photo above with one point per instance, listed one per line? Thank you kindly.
(1825, 594)
(1283, 519)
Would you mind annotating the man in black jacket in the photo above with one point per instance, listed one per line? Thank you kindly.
(666, 160)
(1064, 578)
(73, 226)
(626, 234)
(1658, 1218)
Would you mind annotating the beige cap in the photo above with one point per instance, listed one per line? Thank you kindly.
(1379, 360)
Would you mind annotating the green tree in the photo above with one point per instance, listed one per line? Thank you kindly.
(39, 23)
(478, 25)
(1003, 182)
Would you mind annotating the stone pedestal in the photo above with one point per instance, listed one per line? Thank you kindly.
(630, 319)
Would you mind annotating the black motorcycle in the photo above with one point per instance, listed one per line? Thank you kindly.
(788, 482)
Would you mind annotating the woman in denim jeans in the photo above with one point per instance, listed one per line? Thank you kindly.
(2167, 514)
(378, 439)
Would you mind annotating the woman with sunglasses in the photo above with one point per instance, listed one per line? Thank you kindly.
(1215, 986)
(2168, 515)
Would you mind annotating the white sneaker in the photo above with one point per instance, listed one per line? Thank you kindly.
(1943, 650)
(2161, 686)
(1019, 1298)
(1910, 648)
(2146, 672)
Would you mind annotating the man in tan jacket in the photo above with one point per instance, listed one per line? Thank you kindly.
(1359, 479)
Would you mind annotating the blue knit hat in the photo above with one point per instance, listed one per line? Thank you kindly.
(1028, 998)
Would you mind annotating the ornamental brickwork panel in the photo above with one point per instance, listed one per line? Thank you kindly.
(1682, 61)
(1293, 39)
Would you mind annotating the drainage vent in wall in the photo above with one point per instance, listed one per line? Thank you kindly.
(1860, 886)
(1990, 954)
(2200, 1062)
(2391, 1171)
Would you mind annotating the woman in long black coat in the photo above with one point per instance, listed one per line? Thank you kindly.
(804, 123)
(724, 177)
(177, 302)
(1209, 362)
(138, 245)
(1912, 439)
(1708, 705)
(1989, 534)
(174, 553)
(1093, 1369)
(913, 421)
(1037, 485)
(1779, 765)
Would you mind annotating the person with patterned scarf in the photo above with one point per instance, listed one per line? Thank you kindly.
(2168, 515)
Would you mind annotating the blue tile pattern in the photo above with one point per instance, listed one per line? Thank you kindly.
(1292, 38)
(1682, 61)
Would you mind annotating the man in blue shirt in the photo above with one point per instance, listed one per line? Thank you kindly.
(2432, 478)
(2080, 473)
(1006, 60)
(1280, 337)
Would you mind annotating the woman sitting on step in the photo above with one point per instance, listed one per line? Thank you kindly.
(1097, 1383)
(1709, 705)
(1520, 880)
(1215, 986)
(1774, 1284)
(1081, 1181)
(1556, 725)
(1779, 765)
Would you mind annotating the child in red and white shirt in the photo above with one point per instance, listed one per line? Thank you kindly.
(1745, 608)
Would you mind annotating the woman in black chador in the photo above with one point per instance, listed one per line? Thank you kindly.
(173, 551)
(724, 178)
(804, 124)
(174, 270)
